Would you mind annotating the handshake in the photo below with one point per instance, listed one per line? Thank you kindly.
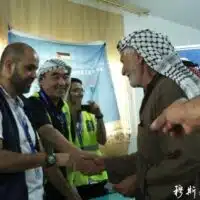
(91, 164)
(85, 162)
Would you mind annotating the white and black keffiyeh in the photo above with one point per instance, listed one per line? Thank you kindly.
(52, 64)
(159, 54)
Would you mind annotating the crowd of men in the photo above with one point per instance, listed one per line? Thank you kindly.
(50, 142)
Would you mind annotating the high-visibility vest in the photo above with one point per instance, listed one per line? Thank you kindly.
(89, 138)
(65, 110)
(89, 143)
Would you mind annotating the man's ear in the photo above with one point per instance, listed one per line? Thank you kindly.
(140, 59)
(9, 67)
(40, 80)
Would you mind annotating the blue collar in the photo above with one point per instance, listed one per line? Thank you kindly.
(44, 97)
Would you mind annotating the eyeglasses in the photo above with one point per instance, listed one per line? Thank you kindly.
(77, 92)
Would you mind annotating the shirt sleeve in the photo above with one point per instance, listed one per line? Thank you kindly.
(181, 153)
(119, 167)
(36, 112)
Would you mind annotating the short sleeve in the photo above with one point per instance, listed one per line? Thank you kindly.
(36, 112)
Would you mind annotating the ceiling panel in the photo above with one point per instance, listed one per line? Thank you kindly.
(185, 12)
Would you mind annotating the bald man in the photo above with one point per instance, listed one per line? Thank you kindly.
(21, 163)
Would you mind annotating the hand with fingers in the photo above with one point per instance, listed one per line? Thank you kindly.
(85, 162)
(94, 108)
(174, 120)
(127, 187)
(73, 195)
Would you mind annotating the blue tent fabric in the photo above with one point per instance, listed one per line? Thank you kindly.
(89, 63)
(191, 54)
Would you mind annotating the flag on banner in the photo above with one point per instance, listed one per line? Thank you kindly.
(89, 63)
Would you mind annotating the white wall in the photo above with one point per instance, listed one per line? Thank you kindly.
(178, 34)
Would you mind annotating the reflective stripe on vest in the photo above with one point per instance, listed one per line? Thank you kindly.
(89, 144)
(91, 147)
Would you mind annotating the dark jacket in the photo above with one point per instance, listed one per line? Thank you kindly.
(162, 161)
(12, 185)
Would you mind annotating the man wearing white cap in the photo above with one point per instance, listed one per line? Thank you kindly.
(164, 167)
(51, 118)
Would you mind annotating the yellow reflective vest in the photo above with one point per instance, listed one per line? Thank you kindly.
(89, 141)
(65, 110)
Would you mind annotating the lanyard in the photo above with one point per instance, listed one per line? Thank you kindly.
(24, 125)
(23, 122)
(60, 116)
(79, 130)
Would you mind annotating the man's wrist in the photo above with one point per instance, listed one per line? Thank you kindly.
(71, 162)
(184, 111)
(99, 116)
(50, 160)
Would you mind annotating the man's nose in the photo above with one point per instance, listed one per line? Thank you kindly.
(33, 74)
(123, 71)
(62, 81)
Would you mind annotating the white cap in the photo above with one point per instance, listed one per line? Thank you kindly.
(52, 64)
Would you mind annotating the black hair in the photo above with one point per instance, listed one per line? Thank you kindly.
(76, 80)
(188, 63)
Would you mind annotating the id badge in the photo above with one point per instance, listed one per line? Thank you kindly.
(38, 173)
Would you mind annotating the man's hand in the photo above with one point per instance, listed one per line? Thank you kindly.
(94, 108)
(85, 162)
(127, 186)
(63, 159)
(82, 161)
(96, 165)
(100, 160)
(73, 195)
(92, 167)
(173, 120)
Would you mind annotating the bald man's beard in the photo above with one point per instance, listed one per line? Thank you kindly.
(21, 85)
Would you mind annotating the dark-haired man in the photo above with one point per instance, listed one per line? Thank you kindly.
(51, 118)
(88, 131)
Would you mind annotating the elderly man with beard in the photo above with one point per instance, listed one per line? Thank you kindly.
(161, 163)
(182, 114)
